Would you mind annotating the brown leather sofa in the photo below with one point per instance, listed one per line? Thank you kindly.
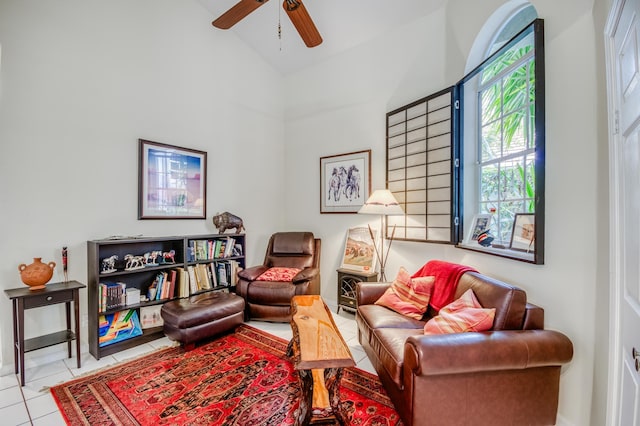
(509, 375)
(271, 300)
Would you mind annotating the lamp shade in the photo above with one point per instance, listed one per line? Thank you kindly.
(382, 202)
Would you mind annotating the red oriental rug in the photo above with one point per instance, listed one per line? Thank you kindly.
(243, 378)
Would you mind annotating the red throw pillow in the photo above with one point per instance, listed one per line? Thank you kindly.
(459, 316)
(408, 296)
(278, 274)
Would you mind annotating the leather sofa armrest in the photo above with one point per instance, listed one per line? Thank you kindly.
(250, 274)
(487, 351)
(368, 293)
(307, 274)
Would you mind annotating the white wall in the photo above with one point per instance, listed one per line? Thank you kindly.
(340, 105)
(81, 81)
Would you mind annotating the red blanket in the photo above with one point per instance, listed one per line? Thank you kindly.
(447, 276)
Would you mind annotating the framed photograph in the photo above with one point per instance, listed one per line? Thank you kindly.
(345, 182)
(359, 249)
(172, 182)
(480, 223)
(523, 236)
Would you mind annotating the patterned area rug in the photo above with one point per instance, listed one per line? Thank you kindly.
(243, 378)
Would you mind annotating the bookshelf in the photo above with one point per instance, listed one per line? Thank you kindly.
(140, 263)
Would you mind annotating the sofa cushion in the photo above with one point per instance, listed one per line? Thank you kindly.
(461, 315)
(510, 301)
(278, 274)
(388, 344)
(408, 296)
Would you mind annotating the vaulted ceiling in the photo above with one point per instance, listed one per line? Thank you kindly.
(343, 24)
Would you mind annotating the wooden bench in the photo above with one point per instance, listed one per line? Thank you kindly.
(319, 354)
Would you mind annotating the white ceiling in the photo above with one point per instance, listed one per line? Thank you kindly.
(342, 24)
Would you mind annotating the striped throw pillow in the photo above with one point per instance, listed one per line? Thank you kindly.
(408, 296)
(462, 315)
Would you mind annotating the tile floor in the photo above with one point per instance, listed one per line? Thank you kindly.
(33, 404)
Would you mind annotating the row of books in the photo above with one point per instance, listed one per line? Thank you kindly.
(206, 276)
(163, 286)
(213, 249)
(112, 296)
(178, 282)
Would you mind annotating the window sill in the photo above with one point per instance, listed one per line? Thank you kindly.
(501, 252)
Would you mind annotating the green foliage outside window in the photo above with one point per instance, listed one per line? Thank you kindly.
(507, 142)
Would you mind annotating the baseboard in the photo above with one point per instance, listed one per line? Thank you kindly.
(561, 421)
(44, 356)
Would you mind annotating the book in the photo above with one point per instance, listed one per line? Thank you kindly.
(202, 275)
(216, 252)
(193, 284)
(159, 284)
(221, 268)
(183, 283)
(112, 296)
(172, 284)
(166, 284)
(213, 274)
(201, 249)
(230, 244)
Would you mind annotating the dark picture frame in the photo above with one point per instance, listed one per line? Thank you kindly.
(345, 182)
(523, 235)
(172, 182)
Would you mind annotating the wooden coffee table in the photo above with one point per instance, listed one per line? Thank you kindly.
(319, 354)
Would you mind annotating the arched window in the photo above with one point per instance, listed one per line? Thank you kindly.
(502, 142)
(467, 163)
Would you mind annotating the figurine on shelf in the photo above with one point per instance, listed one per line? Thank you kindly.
(109, 264)
(169, 256)
(226, 220)
(133, 262)
(151, 258)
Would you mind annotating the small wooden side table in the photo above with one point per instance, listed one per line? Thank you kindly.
(347, 280)
(23, 298)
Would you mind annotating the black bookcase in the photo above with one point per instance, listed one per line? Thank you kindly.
(184, 253)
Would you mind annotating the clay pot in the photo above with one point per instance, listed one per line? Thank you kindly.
(37, 274)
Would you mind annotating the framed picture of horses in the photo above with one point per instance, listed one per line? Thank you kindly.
(345, 182)
(172, 182)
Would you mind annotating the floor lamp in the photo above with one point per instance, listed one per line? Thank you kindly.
(383, 203)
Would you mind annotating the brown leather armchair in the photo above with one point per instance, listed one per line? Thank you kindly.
(271, 300)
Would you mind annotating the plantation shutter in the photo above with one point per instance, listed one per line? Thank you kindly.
(420, 160)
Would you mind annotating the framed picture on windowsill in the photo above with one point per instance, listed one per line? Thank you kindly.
(172, 182)
(523, 236)
(479, 224)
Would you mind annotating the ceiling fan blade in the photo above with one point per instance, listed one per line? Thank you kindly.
(303, 22)
(237, 13)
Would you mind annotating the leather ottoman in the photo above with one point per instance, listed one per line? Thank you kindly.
(201, 316)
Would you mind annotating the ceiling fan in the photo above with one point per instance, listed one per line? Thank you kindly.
(294, 8)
